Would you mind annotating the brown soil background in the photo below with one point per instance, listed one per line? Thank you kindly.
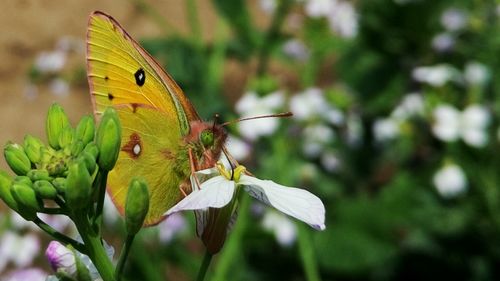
(29, 27)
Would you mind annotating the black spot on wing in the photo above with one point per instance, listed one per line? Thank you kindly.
(140, 77)
(110, 96)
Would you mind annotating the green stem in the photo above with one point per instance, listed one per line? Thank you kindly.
(194, 22)
(95, 248)
(59, 236)
(271, 35)
(307, 253)
(100, 185)
(123, 256)
(232, 248)
(204, 266)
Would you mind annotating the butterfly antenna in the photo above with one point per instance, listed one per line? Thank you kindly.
(216, 119)
(277, 115)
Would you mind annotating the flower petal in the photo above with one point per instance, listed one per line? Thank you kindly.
(295, 202)
(215, 192)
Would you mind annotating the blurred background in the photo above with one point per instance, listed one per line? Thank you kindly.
(395, 128)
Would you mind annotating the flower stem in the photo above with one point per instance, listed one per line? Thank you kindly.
(306, 250)
(204, 266)
(100, 184)
(59, 236)
(123, 256)
(271, 35)
(95, 248)
(194, 22)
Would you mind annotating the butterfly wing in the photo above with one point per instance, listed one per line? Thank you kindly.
(154, 114)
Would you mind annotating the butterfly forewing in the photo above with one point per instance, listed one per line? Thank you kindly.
(153, 111)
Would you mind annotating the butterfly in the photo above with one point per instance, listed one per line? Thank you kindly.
(164, 141)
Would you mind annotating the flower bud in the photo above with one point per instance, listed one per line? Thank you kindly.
(78, 186)
(27, 201)
(108, 139)
(92, 149)
(76, 147)
(32, 146)
(90, 161)
(136, 206)
(5, 190)
(66, 137)
(24, 180)
(61, 259)
(35, 175)
(85, 130)
(17, 159)
(57, 121)
(59, 184)
(44, 189)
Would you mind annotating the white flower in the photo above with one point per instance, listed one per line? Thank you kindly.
(319, 8)
(343, 19)
(281, 226)
(474, 121)
(238, 148)
(411, 105)
(437, 75)
(470, 125)
(476, 73)
(268, 6)
(385, 129)
(354, 130)
(59, 87)
(311, 104)
(453, 19)
(450, 181)
(330, 161)
(316, 137)
(446, 125)
(21, 250)
(175, 224)
(251, 105)
(443, 42)
(50, 62)
(218, 191)
(296, 49)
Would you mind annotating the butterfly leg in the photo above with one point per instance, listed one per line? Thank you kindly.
(193, 168)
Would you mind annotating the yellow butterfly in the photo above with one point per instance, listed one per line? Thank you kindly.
(163, 139)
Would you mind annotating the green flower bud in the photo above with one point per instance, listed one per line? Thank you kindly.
(78, 186)
(85, 130)
(35, 175)
(17, 159)
(92, 149)
(24, 180)
(108, 139)
(60, 184)
(77, 147)
(136, 206)
(44, 189)
(66, 137)
(90, 161)
(32, 146)
(57, 121)
(5, 190)
(27, 201)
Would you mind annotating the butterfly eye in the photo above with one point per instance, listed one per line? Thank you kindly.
(207, 138)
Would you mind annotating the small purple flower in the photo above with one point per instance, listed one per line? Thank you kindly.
(61, 258)
(31, 274)
(170, 227)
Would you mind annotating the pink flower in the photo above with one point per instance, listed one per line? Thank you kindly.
(61, 258)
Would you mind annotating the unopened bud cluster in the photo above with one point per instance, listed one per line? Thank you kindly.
(62, 171)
